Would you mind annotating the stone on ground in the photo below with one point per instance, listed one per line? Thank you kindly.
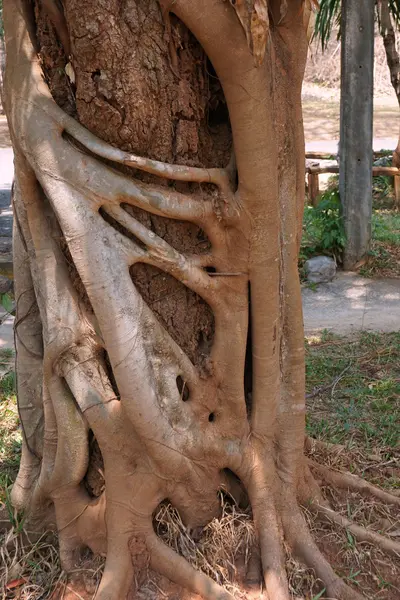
(320, 269)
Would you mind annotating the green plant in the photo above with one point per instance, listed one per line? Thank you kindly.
(329, 17)
(7, 303)
(323, 228)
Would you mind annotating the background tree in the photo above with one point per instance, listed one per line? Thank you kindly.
(388, 17)
(159, 189)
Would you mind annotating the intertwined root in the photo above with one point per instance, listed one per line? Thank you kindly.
(156, 444)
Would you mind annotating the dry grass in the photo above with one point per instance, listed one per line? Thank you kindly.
(28, 571)
(222, 542)
(324, 67)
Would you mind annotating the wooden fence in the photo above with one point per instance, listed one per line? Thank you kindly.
(330, 165)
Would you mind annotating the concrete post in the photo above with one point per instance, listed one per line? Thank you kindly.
(356, 119)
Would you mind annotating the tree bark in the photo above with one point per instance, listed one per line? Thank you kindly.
(393, 61)
(116, 191)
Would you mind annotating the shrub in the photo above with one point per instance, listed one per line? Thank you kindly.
(323, 229)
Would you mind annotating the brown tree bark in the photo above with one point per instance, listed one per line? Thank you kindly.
(393, 61)
(158, 201)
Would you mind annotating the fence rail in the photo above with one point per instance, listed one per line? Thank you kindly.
(315, 169)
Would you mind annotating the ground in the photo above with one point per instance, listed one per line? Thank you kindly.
(321, 110)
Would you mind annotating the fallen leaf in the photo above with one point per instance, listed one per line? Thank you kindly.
(395, 533)
(11, 585)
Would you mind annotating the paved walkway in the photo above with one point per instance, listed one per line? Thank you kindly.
(6, 178)
(351, 303)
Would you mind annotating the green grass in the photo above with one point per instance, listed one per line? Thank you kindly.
(363, 405)
(10, 435)
(384, 256)
(386, 227)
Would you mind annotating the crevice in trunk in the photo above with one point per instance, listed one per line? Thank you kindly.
(183, 388)
(110, 374)
(94, 479)
(248, 366)
(54, 61)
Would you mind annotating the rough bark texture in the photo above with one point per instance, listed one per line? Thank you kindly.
(143, 253)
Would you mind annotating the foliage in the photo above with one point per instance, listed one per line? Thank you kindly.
(10, 435)
(7, 303)
(323, 228)
(382, 189)
(329, 16)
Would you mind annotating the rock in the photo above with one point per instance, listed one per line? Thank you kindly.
(320, 269)
(384, 161)
(5, 284)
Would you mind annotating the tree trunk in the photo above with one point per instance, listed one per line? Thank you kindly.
(159, 305)
(393, 61)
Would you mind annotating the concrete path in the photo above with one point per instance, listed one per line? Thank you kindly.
(6, 330)
(351, 303)
(6, 179)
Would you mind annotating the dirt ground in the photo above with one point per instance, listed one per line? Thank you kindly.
(321, 113)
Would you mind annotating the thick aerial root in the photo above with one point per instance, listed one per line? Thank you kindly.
(167, 562)
(28, 472)
(56, 16)
(219, 177)
(260, 489)
(119, 570)
(353, 482)
(361, 533)
(29, 361)
(160, 254)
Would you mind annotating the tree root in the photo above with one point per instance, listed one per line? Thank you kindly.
(361, 533)
(349, 481)
(160, 254)
(167, 562)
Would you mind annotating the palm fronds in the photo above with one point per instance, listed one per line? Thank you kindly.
(329, 16)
